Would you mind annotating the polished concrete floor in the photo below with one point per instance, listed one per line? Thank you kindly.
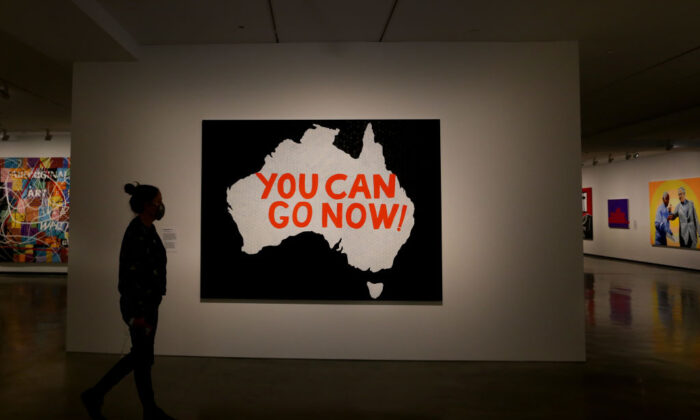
(643, 348)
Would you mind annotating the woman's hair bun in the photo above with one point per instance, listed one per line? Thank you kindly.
(130, 188)
(140, 195)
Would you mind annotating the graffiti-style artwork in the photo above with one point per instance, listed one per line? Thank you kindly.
(34, 210)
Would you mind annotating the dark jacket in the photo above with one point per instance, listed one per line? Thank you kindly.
(142, 273)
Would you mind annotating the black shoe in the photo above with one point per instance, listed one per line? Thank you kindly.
(92, 403)
(156, 413)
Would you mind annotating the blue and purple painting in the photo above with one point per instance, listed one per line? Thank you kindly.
(618, 213)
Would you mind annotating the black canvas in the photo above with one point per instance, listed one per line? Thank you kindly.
(305, 267)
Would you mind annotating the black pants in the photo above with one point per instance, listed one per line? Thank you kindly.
(139, 360)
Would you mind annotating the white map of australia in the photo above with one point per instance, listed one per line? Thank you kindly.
(371, 234)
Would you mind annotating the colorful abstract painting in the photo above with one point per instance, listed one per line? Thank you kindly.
(34, 209)
(618, 213)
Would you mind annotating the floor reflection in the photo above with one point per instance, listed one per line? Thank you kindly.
(646, 311)
(675, 329)
(589, 283)
(620, 306)
(32, 319)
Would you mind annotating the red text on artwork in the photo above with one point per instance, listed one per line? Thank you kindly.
(336, 187)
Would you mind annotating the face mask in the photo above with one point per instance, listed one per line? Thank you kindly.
(160, 212)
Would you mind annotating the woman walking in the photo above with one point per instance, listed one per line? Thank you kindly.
(142, 281)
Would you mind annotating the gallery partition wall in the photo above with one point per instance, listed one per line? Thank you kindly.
(489, 202)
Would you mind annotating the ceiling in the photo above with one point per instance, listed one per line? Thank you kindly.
(639, 60)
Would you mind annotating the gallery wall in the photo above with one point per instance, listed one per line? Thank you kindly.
(630, 179)
(33, 144)
(510, 146)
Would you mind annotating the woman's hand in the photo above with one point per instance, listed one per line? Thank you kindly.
(140, 322)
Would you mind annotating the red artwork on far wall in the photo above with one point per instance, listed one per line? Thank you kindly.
(587, 208)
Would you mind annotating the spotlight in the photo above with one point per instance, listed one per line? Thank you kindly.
(636, 155)
(5, 136)
(48, 135)
(610, 158)
(4, 90)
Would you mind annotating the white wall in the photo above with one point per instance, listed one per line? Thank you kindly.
(32, 144)
(512, 272)
(630, 179)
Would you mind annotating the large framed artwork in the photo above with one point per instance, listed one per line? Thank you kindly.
(321, 210)
(618, 213)
(587, 208)
(673, 213)
(34, 209)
